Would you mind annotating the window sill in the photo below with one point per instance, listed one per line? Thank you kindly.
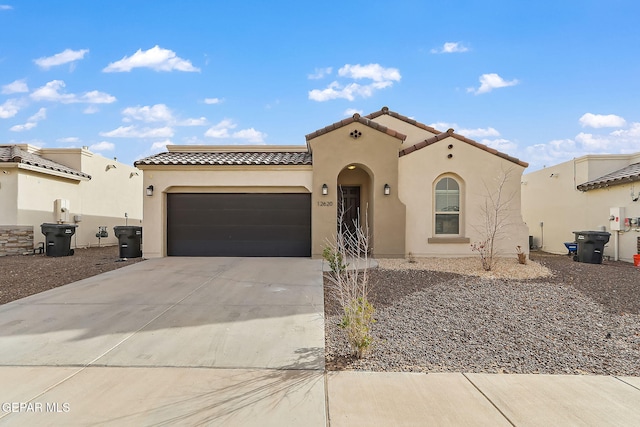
(448, 240)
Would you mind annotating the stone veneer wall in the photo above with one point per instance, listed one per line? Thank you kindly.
(16, 239)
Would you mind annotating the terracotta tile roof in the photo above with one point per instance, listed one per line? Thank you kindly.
(451, 133)
(356, 119)
(630, 173)
(385, 110)
(228, 158)
(14, 154)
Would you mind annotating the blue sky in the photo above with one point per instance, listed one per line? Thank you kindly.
(543, 81)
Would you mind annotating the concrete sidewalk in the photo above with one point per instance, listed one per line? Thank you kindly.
(451, 399)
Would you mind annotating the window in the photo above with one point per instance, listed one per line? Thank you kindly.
(447, 207)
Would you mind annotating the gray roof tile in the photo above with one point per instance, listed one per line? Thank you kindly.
(227, 158)
(14, 154)
(630, 173)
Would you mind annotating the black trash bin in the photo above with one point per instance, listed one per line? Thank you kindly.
(590, 246)
(58, 238)
(129, 240)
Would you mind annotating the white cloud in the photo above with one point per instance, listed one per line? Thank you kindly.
(21, 128)
(52, 92)
(69, 140)
(602, 121)
(451, 47)
(5, 7)
(10, 108)
(61, 58)
(156, 58)
(213, 101)
(250, 135)
(479, 132)
(320, 73)
(133, 132)
(19, 86)
(557, 151)
(381, 78)
(91, 109)
(156, 147)
(349, 112)
(223, 130)
(488, 82)
(148, 114)
(40, 115)
(202, 121)
(102, 146)
(375, 72)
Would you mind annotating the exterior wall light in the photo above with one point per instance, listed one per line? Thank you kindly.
(150, 190)
(387, 190)
(325, 189)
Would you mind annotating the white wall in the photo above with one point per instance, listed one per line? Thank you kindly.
(555, 201)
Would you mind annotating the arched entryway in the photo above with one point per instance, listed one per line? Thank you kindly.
(354, 194)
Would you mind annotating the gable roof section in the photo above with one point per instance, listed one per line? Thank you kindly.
(451, 133)
(385, 110)
(14, 154)
(357, 118)
(630, 173)
(228, 158)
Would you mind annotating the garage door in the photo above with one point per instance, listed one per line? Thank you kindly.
(276, 225)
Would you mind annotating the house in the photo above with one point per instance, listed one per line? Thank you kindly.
(420, 190)
(589, 193)
(64, 185)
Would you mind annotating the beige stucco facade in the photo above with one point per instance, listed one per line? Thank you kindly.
(369, 153)
(28, 194)
(554, 208)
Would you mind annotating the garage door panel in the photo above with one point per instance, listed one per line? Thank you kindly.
(239, 224)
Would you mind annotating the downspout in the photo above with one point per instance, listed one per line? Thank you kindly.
(616, 245)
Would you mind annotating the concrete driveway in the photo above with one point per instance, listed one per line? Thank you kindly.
(121, 347)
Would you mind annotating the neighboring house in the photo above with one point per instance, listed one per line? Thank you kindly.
(65, 185)
(421, 191)
(582, 195)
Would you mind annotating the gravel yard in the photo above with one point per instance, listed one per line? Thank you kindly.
(582, 319)
(21, 276)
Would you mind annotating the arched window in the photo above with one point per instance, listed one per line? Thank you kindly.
(447, 212)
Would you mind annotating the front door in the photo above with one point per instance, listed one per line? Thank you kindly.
(350, 203)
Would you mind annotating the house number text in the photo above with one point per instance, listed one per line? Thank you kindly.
(325, 203)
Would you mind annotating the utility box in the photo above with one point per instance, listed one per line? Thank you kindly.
(616, 219)
(61, 210)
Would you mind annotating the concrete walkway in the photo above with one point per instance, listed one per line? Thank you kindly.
(222, 341)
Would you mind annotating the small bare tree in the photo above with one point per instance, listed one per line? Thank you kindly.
(348, 257)
(495, 213)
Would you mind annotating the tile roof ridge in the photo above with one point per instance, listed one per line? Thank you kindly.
(451, 133)
(385, 111)
(629, 173)
(353, 119)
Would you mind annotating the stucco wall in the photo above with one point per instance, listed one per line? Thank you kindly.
(549, 196)
(377, 154)
(210, 179)
(479, 172)
(8, 195)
